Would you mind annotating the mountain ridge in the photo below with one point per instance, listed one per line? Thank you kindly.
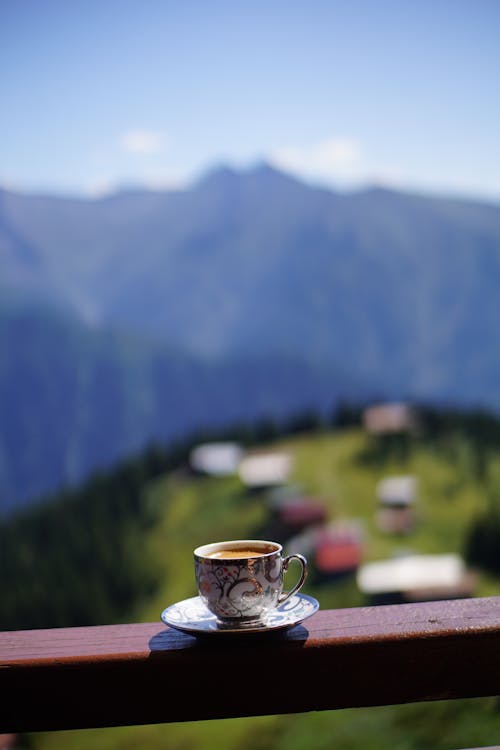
(75, 399)
(393, 292)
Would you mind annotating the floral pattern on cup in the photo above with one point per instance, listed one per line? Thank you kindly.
(245, 590)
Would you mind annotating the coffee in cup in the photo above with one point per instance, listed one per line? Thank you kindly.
(241, 581)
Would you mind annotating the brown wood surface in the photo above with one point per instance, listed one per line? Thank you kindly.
(148, 673)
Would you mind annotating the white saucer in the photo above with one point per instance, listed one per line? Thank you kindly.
(191, 616)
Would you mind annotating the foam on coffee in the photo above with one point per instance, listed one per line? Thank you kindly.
(240, 553)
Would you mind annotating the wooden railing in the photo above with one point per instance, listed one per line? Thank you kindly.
(148, 673)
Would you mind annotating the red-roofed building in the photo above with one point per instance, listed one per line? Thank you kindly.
(338, 548)
(332, 557)
(8, 741)
(300, 513)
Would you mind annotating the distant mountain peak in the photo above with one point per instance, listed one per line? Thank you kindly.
(224, 176)
(265, 171)
(219, 175)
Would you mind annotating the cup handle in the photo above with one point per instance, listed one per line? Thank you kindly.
(286, 562)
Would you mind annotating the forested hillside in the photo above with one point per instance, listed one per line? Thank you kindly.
(74, 399)
(120, 549)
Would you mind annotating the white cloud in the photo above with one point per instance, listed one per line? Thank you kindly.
(99, 187)
(335, 158)
(161, 179)
(143, 141)
(152, 179)
(341, 162)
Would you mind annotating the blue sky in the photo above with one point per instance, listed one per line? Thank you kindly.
(100, 93)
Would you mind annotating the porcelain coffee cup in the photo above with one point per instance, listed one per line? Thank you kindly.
(241, 581)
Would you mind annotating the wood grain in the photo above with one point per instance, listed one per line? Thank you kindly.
(148, 673)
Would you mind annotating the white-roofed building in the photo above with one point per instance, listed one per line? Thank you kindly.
(260, 470)
(397, 490)
(216, 459)
(416, 577)
(396, 497)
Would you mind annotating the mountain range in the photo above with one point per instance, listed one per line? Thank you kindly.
(160, 305)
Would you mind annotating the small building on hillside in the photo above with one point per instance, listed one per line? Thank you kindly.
(389, 419)
(338, 549)
(283, 494)
(396, 497)
(265, 470)
(216, 459)
(416, 577)
(299, 513)
(333, 549)
(397, 491)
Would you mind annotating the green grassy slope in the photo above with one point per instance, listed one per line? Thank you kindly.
(193, 510)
